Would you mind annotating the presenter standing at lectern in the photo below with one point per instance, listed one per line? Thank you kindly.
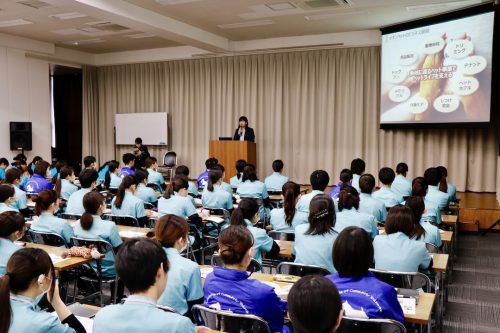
(243, 132)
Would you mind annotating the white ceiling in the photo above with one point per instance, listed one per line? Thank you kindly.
(208, 24)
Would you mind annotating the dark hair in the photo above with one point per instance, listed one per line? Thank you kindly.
(87, 177)
(358, 166)
(88, 160)
(432, 176)
(6, 191)
(443, 170)
(234, 243)
(321, 215)
(417, 206)
(138, 261)
(138, 141)
(24, 266)
(319, 180)
(20, 158)
(247, 208)
(220, 167)
(150, 161)
(66, 171)
(127, 158)
(58, 166)
(353, 253)
(41, 168)
(314, 305)
(178, 183)
(182, 170)
(43, 200)
(141, 175)
(112, 166)
(169, 228)
(10, 222)
(367, 183)
(249, 173)
(290, 192)
(345, 176)
(419, 187)
(386, 175)
(399, 219)
(240, 165)
(92, 201)
(126, 183)
(12, 175)
(4, 161)
(278, 165)
(245, 119)
(213, 177)
(443, 185)
(401, 168)
(348, 198)
(211, 162)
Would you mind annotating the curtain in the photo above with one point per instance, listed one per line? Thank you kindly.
(313, 109)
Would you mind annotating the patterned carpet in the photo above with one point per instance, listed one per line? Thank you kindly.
(474, 295)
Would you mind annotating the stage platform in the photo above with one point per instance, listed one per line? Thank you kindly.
(477, 207)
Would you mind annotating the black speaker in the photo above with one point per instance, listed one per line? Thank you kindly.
(20, 136)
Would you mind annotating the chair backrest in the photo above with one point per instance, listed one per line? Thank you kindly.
(274, 192)
(125, 220)
(254, 265)
(432, 248)
(101, 245)
(406, 280)
(154, 186)
(47, 238)
(148, 205)
(219, 211)
(355, 325)
(291, 268)
(66, 216)
(282, 235)
(229, 322)
(170, 159)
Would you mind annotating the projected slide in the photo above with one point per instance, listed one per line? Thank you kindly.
(439, 73)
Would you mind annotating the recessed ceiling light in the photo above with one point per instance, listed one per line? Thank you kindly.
(443, 5)
(245, 24)
(141, 35)
(36, 4)
(84, 41)
(68, 16)
(321, 17)
(13, 23)
(281, 6)
(175, 2)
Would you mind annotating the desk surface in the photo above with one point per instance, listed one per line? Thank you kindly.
(449, 219)
(66, 264)
(440, 262)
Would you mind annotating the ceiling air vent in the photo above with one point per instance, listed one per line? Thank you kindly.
(326, 3)
(36, 4)
(107, 26)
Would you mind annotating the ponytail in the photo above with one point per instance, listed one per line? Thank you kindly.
(237, 217)
(417, 206)
(291, 191)
(127, 182)
(92, 201)
(213, 177)
(43, 200)
(178, 183)
(63, 173)
(5, 310)
(86, 221)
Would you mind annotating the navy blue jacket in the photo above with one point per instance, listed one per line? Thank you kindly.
(249, 134)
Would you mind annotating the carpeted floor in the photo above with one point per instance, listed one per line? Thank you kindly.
(474, 294)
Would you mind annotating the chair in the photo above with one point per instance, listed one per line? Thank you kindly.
(154, 186)
(148, 205)
(47, 238)
(254, 265)
(355, 325)
(210, 244)
(103, 247)
(229, 322)
(432, 248)
(291, 268)
(282, 235)
(125, 220)
(170, 162)
(74, 217)
(407, 280)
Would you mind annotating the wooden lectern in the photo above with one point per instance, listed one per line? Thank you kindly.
(228, 152)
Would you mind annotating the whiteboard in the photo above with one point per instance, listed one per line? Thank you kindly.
(150, 127)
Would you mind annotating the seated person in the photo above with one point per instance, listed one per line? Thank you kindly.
(39, 182)
(288, 217)
(64, 186)
(192, 188)
(225, 186)
(433, 177)
(363, 295)
(143, 267)
(230, 289)
(368, 204)
(7, 198)
(154, 176)
(247, 214)
(357, 168)
(184, 287)
(4, 164)
(420, 188)
(129, 162)
(203, 177)
(401, 185)
(251, 187)
(446, 187)
(396, 251)
(125, 203)
(319, 181)
(30, 275)
(90, 162)
(46, 205)
(236, 180)
(111, 179)
(11, 229)
(88, 182)
(385, 194)
(276, 181)
(146, 194)
(349, 215)
(423, 231)
(345, 180)
(314, 305)
(314, 241)
(13, 177)
(214, 196)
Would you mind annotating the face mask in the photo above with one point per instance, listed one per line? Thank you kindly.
(39, 297)
(184, 247)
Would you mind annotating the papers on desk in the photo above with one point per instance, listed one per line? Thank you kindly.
(55, 258)
(441, 231)
(87, 323)
(131, 234)
(81, 311)
(205, 271)
(408, 304)
(215, 219)
(197, 202)
(280, 291)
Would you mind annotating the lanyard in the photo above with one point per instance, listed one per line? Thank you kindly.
(22, 300)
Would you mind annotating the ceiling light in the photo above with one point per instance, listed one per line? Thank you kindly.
(68, 16)
(321, 17)
(175, 2)
(13, 23)
(84, 41)
(245, 24)
(142, 35)
(281, 6)
(36, 4)
(443, 5)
